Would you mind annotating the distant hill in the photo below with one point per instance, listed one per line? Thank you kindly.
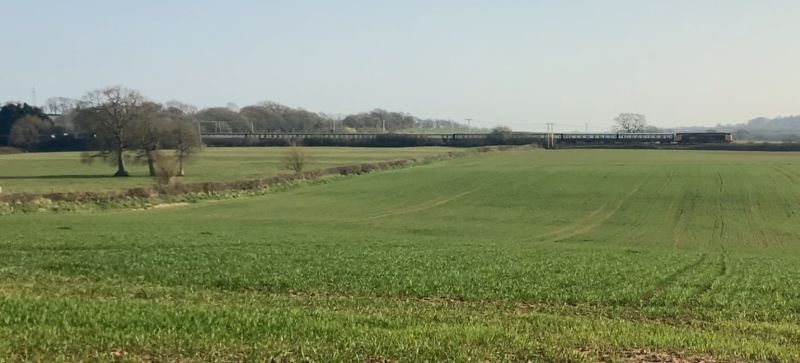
(785, 129)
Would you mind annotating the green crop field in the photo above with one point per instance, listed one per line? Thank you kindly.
(529, 255)
(54, 172)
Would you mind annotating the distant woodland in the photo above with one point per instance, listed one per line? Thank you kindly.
(54, 124)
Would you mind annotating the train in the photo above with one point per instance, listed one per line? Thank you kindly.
(557, 138)
(647, 138)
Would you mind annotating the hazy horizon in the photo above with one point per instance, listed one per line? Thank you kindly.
(519, 64)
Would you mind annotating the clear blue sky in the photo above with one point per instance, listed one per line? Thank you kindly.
(517, 63)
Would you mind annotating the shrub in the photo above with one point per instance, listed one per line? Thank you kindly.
(166, 169)
(295, 159)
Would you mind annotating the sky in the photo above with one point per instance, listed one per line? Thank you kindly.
(514, 63)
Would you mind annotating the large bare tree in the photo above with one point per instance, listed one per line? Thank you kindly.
(630, 122)
(111, 114)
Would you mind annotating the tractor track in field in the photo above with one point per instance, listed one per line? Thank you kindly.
(686, 202)
(641, 218)
(421, 206)
(755, 216)
(662, 285)
(788, 210)
(792, 178)
(590, 222)
(722, 271)
(428, 204)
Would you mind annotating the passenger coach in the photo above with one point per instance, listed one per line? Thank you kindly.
(646, 138)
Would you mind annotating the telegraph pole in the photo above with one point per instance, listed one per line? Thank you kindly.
(551, 138)
(549, 143)
(547, 136)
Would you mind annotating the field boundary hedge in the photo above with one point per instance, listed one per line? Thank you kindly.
(147, 197)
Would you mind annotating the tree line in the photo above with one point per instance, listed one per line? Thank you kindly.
(264, 117)
(267, 117)
(118, 124)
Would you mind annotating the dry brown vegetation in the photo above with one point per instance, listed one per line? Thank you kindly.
(295, 159)
(166, 169)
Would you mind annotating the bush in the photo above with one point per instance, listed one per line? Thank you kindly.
(166, 169)
(295, 159)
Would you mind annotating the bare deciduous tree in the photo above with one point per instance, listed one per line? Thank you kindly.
(184, 137)
(148, 133)
(630, 122)
(110, 114)
(60, 105)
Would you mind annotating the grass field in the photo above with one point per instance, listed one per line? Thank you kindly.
(508, 256)
(53, 172)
